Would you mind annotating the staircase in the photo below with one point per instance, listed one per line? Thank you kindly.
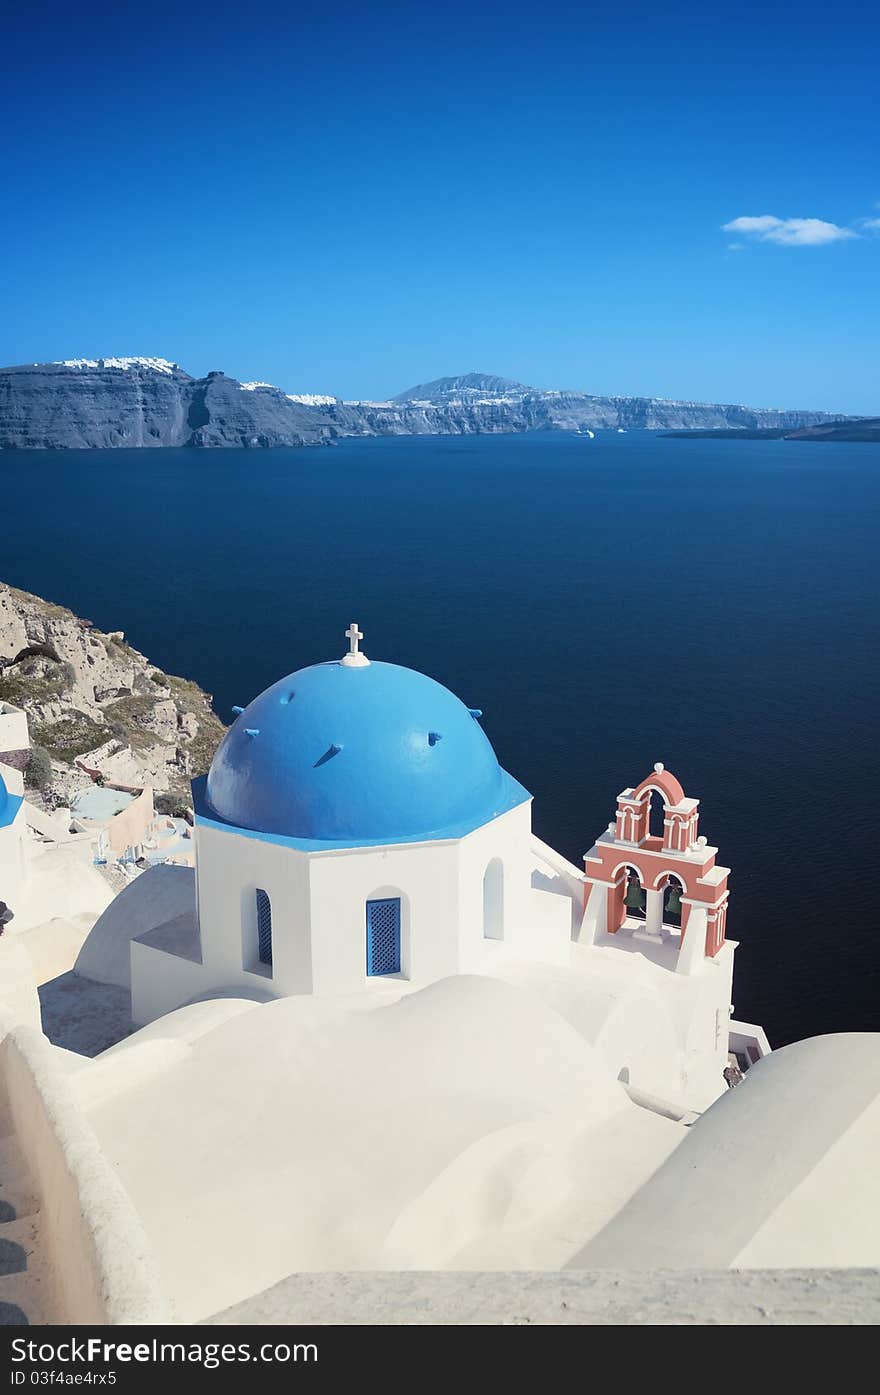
(24, 1298)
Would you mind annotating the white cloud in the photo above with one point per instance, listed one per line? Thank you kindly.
(872, 224)
(790, 232)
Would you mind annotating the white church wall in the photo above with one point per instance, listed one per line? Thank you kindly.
(708, 1028)
(319, 903)
(693, 950)
(425, 878)
(595, 915)
(697, 1005)
(567, 879)
(531, 923)
(500, 848)
(230, 869)
(162, 982)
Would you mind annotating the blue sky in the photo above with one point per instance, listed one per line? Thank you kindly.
(354, 198)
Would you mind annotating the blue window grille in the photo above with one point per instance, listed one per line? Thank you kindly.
(264, 927)
(383, 937)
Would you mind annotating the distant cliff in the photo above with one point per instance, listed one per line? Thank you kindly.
(860, 429)
(839, 429)
(144, 402)
(480, 402)
(112, 402)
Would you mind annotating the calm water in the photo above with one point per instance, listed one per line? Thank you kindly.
(608, 603)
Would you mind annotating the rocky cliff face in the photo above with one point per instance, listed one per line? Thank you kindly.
(100, 403)
(479, 401)
(97, 705)
(145, 402)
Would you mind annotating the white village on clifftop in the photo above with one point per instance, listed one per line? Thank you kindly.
(351, 1015)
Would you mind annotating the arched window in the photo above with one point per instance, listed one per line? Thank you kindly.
(672, 894)
(656, 816)
(493, 900)
(264, 927)
(635, 899)
(383, 936)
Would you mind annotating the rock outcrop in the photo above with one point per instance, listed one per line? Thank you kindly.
(862, 429)
(97, 705)
(100, 403)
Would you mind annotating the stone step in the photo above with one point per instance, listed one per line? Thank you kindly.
(23, 1298)
(18, 1192)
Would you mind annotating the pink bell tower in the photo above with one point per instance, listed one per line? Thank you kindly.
(669, 887)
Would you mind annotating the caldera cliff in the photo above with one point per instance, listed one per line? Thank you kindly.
(142, 402)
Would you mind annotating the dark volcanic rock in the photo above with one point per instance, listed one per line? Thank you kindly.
(223, 413)
(146, 402)
(151, 402)
(860, 429)
(840, 429)
(58, 405)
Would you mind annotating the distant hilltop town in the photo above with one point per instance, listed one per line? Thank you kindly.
(124, 402)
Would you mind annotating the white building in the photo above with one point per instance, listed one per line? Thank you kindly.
(12, 835)
(15, 739)
(357, 835)
(382, 1026)
(47, 880)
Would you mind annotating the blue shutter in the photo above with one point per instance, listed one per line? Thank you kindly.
(383, 937)
(264, 927)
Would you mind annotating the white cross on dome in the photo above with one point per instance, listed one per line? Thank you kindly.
(354, 658)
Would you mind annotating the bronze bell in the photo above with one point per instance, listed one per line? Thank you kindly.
(673, 905)
(635, 897)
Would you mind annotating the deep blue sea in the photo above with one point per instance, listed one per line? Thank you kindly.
(607, 603)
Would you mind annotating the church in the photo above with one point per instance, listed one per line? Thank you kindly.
(379, 1025)
(356, 834)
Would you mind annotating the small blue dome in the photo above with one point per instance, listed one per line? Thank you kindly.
(358, 756)
(9, 805)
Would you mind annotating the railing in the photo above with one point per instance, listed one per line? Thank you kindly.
(101, 1266)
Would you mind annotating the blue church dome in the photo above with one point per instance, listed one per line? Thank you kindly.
(9, 804)
(354, 753)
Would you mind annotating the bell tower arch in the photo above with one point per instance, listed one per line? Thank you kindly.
(657, 883)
